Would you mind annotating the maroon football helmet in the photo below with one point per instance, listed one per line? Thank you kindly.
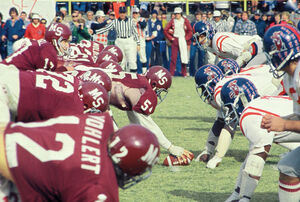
(94, 97)
(112, 66)
(97, 76)
(55, 34)
(106, 56)
(160, 80)
(133, 150)
(116, 51)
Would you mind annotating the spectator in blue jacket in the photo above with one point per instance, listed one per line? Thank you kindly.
(259, 23)
(3, 51)
(157, 35)
(13, 29)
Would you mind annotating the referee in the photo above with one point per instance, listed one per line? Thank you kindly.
(127, 38)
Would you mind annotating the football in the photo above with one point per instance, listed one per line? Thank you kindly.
(172, 160)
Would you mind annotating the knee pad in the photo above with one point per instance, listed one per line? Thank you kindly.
(254, 165)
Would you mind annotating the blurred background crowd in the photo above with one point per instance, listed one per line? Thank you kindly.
(85, 18)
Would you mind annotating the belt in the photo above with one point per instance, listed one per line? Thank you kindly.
(122, 37)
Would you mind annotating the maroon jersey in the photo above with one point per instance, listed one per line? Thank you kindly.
(62, 159)
(45, 95)
(148, 100)
(35, 55)
(85, 52)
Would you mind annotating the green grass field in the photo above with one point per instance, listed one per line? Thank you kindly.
(186, 120)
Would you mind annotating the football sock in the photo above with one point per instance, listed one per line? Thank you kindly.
(289, 192)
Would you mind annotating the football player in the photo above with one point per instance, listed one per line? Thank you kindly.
(42, 54)
(82, 147)
(39, 95)
(138, 95)
(240, 106)
(260, 141)
(246, 50)
(209, 82)
(282, 46)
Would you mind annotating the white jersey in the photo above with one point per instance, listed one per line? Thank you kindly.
(231, 45)
(292, 87)
(251, 117)
(258, 75)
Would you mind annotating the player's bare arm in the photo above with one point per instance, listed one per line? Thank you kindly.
(279, 124)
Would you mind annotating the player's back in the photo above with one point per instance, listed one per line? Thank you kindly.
(263, 81)
(231, 45)
(45, 95)
(70, 161)
(148, 99)
(34, 55)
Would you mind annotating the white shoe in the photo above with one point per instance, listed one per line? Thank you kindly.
(233, 197)
(214, 162)
(204, 156)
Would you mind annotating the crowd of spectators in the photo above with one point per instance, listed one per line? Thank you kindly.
(166, 27)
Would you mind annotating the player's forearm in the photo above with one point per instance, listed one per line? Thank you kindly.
(292, 125)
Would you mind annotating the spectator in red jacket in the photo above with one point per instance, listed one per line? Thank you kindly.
(179, 32)
(35, 30)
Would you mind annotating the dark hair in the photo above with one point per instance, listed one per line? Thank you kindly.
(13, 9)
(23, 12)
(1, 16)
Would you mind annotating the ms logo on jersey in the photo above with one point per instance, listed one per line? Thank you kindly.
(234, 89)
(210, 74)
(277, 39)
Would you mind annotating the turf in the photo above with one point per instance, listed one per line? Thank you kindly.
(186, 120)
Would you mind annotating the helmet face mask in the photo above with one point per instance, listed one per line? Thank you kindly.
(161, 94)
(273, 59)
(235, 95)
(126, 181)
(63, 46)
(207, 91)
(206, 79)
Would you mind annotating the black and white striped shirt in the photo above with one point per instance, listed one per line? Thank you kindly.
(124, 29)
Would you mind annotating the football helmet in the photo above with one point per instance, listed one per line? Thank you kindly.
(206, 79)
(59, 36)
(160, 80)
(133, 150)
(111, 66)
(94, 97)
(106, 56)
(282, 44)
(235, 96)
(116, 51)
(201, 28)
(97, 76)
(229, 66)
